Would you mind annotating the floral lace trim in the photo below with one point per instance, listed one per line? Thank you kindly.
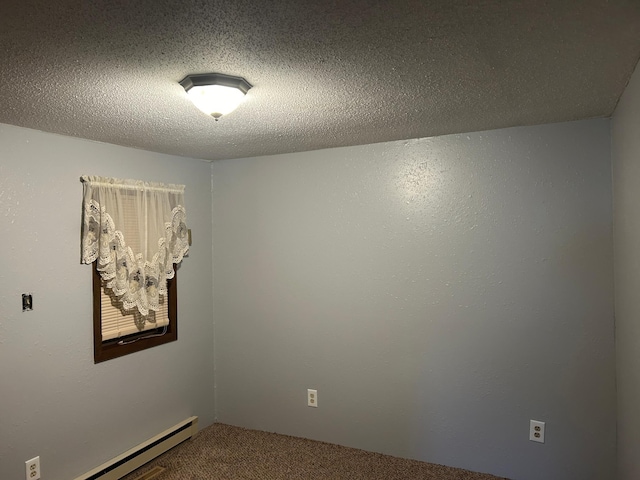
(136, 281)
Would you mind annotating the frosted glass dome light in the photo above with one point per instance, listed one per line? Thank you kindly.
(214, 93)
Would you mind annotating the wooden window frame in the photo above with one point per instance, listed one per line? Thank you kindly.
(110, 349)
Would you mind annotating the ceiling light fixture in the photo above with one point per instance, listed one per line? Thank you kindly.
(215, 94)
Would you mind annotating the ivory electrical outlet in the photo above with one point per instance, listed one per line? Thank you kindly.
(312, 398)
(32, 468)
(536, 431)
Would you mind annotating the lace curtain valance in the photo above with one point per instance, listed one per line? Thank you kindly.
(136, 231)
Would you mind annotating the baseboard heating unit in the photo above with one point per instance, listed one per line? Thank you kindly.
(145, 452)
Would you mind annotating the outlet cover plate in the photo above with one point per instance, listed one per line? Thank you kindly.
(312, 397)
(32, 468)
(536, 431)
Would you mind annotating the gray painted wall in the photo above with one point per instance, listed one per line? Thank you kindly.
(438, 293)
(626, 187)
(55, 402)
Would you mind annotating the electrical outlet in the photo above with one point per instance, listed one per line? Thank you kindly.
(312, 398)
(536, 431)
(33, 468)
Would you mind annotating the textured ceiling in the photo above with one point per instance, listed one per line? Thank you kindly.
(325, 73)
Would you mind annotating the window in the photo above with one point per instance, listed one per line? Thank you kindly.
(134, 234)
(117, 333)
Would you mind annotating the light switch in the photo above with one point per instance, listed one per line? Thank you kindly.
(27, 302)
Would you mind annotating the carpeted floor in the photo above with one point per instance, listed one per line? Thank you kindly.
(225, 452)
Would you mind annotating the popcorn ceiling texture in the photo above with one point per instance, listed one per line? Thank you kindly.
(325, 74)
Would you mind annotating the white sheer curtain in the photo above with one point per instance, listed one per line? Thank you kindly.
(136, 231)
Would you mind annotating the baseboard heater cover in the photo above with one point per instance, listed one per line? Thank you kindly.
(145, 452)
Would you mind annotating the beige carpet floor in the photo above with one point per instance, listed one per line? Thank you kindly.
(225, 452)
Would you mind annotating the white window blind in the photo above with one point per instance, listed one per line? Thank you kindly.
(117, 324)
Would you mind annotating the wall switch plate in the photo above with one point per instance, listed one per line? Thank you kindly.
(27, 302)
(536, 431)
(32, 468)
(312, 398)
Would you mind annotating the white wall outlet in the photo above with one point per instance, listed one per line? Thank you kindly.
(312, 398)
(536, 431)
(33, 468)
